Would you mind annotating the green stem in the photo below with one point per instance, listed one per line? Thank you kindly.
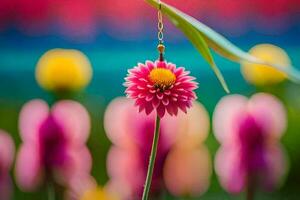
(250, 190)
(51, 191)
(249, 194)
(152, 159)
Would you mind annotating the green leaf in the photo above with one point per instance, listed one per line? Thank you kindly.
(200, 44)
(216, 41)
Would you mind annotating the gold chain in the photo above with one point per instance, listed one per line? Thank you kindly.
(160, 34)
(160, 25)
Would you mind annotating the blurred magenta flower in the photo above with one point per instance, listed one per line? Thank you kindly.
(53, 146)
(131, 134)
(249, 132)
(160, 86)
(7, 151)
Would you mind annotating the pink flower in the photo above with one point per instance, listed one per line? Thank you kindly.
(53, 146)
(131, 134)
(249, 133)
(188, 167)
(160, 86)
(7, 150)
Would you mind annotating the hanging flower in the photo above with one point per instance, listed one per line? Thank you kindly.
(265, 75)
(249, 133)
(63, 70)
(53, 146)
(131, 134)
(160, 86)
(7, 150)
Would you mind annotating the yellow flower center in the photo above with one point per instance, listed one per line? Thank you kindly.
(162, 78)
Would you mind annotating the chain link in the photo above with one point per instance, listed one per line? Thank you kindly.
(160, 34)
(160, 25)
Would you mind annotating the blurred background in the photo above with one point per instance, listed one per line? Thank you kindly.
(116, 34)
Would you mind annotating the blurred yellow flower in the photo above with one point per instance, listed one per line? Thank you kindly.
(94, 194)
(261, 74)
(98, 193)
(85, 187)
(63, 69)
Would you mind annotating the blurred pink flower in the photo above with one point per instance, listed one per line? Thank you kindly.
(7, 151)
(187, 169)
(78, 185)
(131, 134)
(53, 146)
(249, 133)
(160, 86)
(127, 160)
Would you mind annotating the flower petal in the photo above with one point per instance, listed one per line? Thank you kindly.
(7, 151)
(276, 160)
(123, 165)
(116, 120)
(78, 164)
(161, 110)
(269, 111)
(231, 176)
(28, 170)
(187, 171)
(31, 117)
(74, 118)
(194, 126)
(225, 116)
